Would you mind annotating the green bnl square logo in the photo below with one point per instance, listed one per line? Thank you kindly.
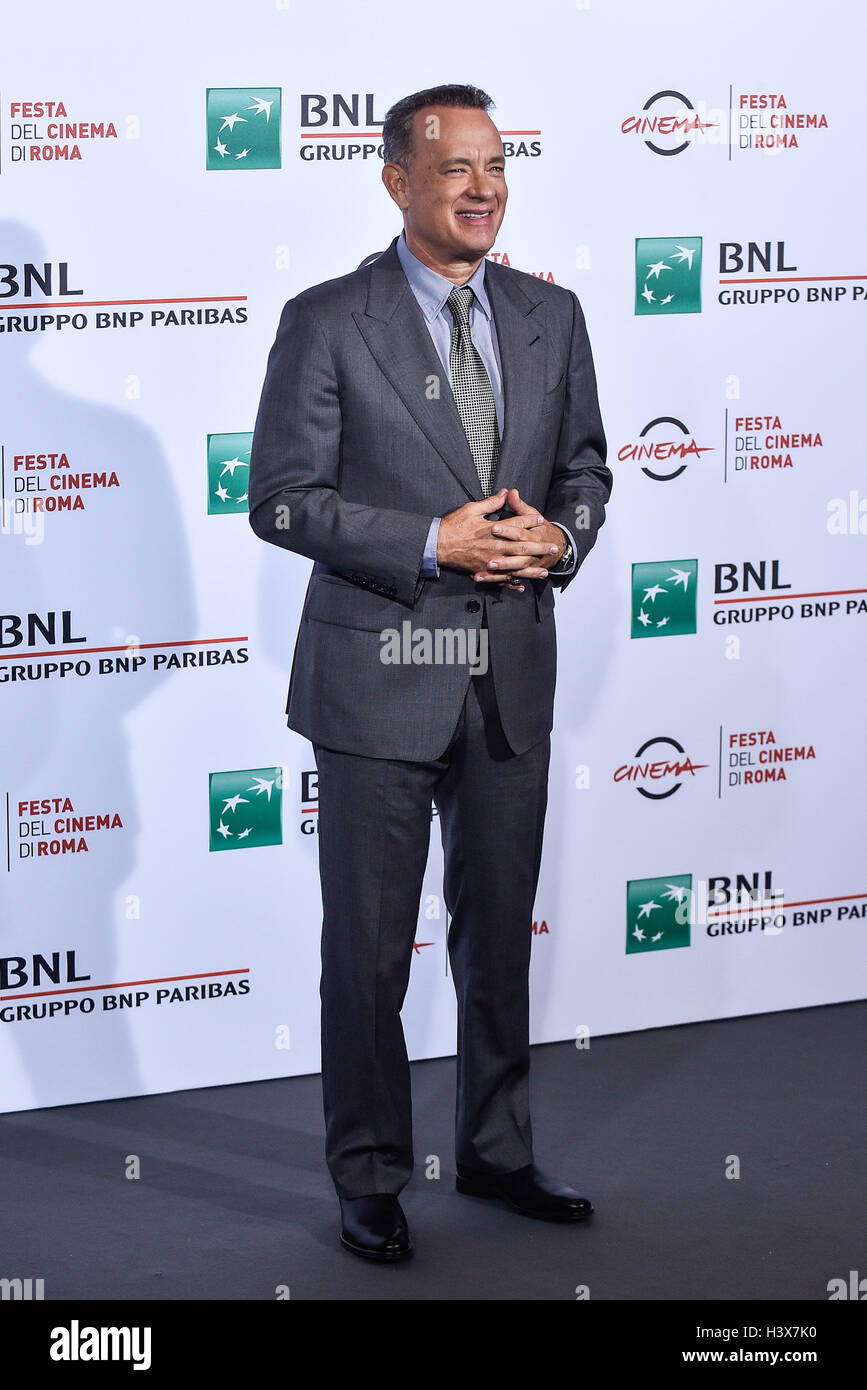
(243, 125)
(663, 598)
(658, 912)
(668, 275)
(246, 808)
(228, 472)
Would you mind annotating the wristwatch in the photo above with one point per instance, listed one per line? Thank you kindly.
(565, 559)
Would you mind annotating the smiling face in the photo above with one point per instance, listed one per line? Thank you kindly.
(453, 191)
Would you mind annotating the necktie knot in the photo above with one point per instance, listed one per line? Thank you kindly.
(459, 301)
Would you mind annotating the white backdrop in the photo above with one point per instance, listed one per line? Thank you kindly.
(135, 958)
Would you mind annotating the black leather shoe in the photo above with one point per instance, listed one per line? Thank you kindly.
(529, 1191)
(375, 1227)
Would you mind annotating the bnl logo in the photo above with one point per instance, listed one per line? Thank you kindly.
(318, 110)
(22, 1290)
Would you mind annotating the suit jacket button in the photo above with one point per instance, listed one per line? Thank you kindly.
(473, 605)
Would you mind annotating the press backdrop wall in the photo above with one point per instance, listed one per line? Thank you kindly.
(157, 933)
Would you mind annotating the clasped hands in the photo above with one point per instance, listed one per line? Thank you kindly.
(523, 546)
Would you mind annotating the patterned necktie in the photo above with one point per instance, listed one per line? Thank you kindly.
(471, 387)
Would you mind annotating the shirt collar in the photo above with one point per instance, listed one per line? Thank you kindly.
(432, 290)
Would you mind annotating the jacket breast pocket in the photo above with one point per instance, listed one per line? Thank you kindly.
(553, 399)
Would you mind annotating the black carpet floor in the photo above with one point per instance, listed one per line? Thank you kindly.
(234, 1201)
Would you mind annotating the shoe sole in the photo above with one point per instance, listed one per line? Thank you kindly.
(377, 1256)
(472, 1189)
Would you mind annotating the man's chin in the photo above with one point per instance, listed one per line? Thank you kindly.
(474, 245)
(476, 253)
(478, 230)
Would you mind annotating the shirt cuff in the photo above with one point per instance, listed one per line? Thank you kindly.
(566, 564)
(429, 567)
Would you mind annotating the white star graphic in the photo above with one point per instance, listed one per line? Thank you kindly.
(680, 577)
(232, 803)
(651, 593)
(658, 936)
(223, 829)
(261, 106)
(262, 784)
(643, 618)
(244, 833)
(647, 293)
(231, 464)
(656, 268)
(242, 498)
(685, 255)
(667, 300)
(638, 934)
(221, 492)
(231, 121)
(662, 622)
(243, 154)
(647, 908)
(674, 891)
(221, 149)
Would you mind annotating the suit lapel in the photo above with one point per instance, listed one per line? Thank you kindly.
(521, 343)
(394, 328)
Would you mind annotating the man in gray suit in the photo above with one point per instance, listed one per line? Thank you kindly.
(429, 435)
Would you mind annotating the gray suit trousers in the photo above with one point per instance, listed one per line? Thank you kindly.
(374, 836)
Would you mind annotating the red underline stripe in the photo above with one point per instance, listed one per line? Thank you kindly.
(819, 593)
(377, 134)
(784, 279)
(124, 647)
(125, 984)
(805, 902)
(95, 303)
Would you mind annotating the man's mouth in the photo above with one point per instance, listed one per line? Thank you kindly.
(475, 216)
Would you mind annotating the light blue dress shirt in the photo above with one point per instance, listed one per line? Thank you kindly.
(431, 291)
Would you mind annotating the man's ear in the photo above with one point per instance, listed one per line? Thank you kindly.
(394, 178)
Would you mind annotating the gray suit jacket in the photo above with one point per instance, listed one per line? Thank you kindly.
(358, 445)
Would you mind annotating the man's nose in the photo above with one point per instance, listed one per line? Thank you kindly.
(481, 184)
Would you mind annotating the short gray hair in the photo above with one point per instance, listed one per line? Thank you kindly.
(397, 127)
